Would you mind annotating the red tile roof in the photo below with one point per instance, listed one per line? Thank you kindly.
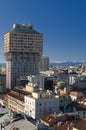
(63, 122)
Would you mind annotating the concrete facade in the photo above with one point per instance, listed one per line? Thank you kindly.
(23, 47)
(41, 103)
(44, 63)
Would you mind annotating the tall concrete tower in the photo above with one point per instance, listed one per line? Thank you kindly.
(44, 63)
(23, 47)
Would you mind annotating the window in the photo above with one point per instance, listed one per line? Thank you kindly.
(40, 110)
(84, 113)
(40, 104)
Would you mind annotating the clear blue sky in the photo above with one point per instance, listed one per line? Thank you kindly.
(62, 22)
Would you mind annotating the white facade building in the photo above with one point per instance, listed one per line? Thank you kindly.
(41, 103)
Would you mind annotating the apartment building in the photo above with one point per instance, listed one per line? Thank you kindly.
(23, 47)
(15, 100)
(80, 107)
(41, 103)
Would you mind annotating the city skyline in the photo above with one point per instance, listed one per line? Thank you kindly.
(63, 24)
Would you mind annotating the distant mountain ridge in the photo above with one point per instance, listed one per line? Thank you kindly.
(66, 63)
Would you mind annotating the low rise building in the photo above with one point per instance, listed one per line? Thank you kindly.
(36, 80)
(76, 95)
(3, 100)
(61, 88)
(79, 81)
(65, 104)
(42, 80)
(64, 122)
(16, 100)
(73, 78)
(80, 107)
(41, 103)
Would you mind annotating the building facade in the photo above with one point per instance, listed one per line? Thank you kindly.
(80, 107)
(3, 80)
(15, 100)
(23, 47)
(2, 69)
(44, 63)
(41, 103)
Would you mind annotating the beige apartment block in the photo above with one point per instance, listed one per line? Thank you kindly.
(15, 100)
(23, 47)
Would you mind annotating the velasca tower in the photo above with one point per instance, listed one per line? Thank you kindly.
(23, 47)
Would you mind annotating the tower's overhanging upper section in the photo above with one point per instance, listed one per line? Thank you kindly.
(23, 38)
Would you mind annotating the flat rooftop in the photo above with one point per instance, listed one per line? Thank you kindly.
(21, 125)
